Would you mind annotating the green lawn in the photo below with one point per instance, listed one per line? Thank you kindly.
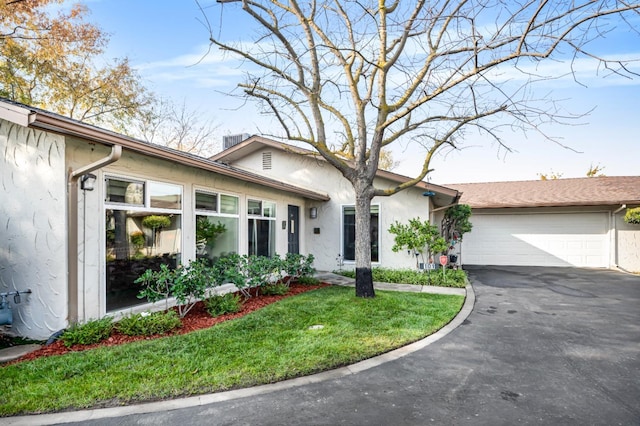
(269, 345)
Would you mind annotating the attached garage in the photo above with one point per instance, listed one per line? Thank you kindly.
(548, 239)
(561, 222)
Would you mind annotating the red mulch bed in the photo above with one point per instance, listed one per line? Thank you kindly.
(197, 319)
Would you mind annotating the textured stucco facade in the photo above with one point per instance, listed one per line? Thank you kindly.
(33, 228)
(628, 242)
(318, 175)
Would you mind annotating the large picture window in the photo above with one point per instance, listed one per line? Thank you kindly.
(349, 232)
(143, 223)
(261, 227)
(217, 223)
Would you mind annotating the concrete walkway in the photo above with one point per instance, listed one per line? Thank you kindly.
(542, 346)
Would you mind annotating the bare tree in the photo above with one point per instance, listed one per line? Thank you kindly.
(175, 126)
(350, 78)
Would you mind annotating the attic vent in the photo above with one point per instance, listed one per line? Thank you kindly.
(266, 161)
(230, 140)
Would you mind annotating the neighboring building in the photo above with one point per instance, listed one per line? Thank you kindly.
(79, 244)
(559, 222)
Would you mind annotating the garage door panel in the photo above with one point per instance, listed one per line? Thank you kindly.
(538, 240)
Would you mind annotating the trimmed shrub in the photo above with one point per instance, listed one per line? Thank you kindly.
(223, 304)
(308, 280)
(148, 324)
(276, 289)
(91, 332)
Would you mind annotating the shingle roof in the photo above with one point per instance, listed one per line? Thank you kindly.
(595, 191)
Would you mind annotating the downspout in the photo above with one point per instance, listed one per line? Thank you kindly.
(72, 212)
(615, 235)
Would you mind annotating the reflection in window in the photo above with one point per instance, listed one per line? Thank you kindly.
(135, 242)
(143, 230)
(216, 232)
(125, 191)
(349, 232)
(165, 195)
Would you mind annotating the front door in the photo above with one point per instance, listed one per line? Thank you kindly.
(294, 229)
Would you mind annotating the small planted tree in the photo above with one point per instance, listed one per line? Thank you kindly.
(419, 238)
(456, 223)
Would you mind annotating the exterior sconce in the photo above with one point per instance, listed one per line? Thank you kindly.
(313, 213)
(87, 182)
(428, 194)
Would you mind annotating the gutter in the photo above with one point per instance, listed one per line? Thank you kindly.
(615, 235)
(72, 228)
(70, 127)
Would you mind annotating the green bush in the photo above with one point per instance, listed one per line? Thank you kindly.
(148, 324)
(632, 216)
(88, 333)
(297, 265)
(276, 289)
(187, 284)
(452, 278)
(225, 304)
(308, 280)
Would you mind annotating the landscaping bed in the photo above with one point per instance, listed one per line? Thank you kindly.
(197, 319)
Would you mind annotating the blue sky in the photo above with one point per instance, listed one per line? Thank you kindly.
(166, 41)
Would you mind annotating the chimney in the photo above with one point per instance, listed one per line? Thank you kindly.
(230, 140)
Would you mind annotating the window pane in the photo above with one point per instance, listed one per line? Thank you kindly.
(262, 237)
(165, 195)
(269, 209)
(228, 204)
(374, 233)
(133, 245)
(254, 208)
(206, 201)
(124, 191)
(224, 243)
(349, 233)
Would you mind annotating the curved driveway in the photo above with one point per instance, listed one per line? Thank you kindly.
(544, 346)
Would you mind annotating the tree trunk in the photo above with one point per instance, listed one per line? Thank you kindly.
(364, 278)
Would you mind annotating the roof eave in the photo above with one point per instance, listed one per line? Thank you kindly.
(70, 127)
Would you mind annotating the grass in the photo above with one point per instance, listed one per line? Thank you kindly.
(272, 344)
(451, 278)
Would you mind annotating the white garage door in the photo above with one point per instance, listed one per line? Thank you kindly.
(538, 240)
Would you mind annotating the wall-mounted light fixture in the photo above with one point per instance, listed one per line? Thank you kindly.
(313, 213)
(428, 194)
(88, 182)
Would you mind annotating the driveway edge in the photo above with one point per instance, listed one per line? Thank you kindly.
(194, 401)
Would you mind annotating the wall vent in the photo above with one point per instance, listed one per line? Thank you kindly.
(230, 140)
(266, 160)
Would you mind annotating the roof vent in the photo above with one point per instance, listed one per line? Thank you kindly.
(266, 160)
(230, 140)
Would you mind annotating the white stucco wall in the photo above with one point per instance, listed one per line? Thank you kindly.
(320, 176)
(628, 240)
(33, 228)
(91, 274)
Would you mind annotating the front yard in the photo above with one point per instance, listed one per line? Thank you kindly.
(312, 332)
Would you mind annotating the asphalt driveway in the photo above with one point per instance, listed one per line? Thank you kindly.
(548, 346)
